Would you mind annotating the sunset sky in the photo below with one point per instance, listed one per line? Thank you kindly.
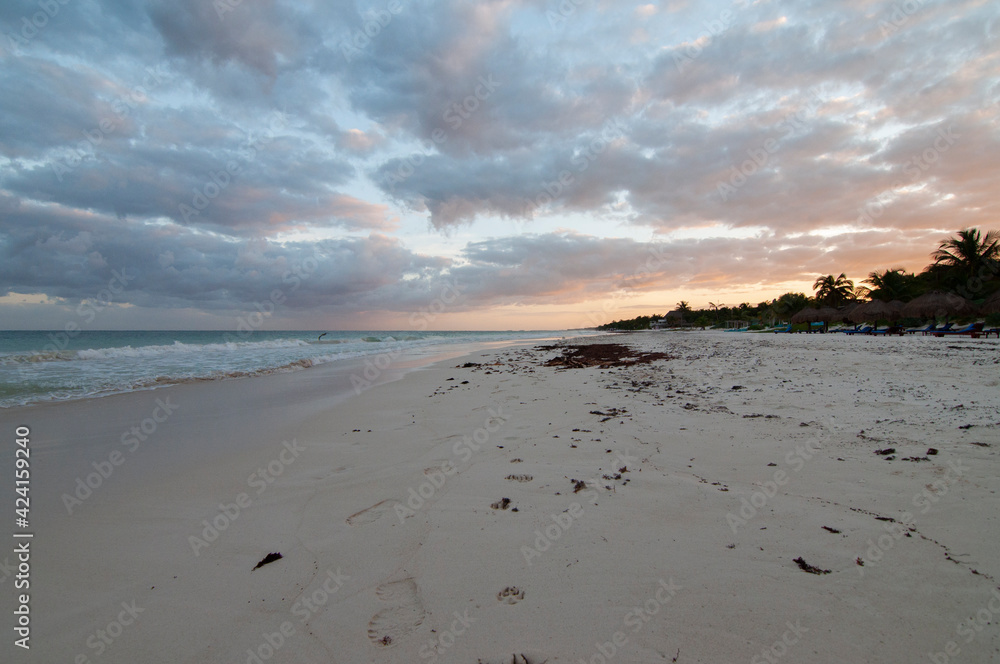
(342, 165)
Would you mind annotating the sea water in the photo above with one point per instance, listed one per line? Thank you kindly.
(46, 366)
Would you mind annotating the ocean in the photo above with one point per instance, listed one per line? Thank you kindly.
(37, 366)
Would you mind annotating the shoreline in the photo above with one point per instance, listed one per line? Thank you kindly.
(381, 508)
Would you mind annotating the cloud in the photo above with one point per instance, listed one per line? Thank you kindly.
(189, 140)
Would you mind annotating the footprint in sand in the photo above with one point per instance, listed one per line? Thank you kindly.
(406, 615)
(510, 595)
(372, 513)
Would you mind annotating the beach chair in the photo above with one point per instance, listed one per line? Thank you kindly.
(992, 330)
(895, 329)
(944, 328)
(864, 330)
(973, 330)
(926, 328)
(787, 328)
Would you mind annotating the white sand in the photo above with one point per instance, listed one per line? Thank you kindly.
(635, 573)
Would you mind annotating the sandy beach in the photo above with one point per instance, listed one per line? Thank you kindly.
(752, 498)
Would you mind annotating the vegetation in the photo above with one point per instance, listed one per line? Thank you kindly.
(834, 291)
(967, 264)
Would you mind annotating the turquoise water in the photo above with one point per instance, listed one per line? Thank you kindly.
(44, 366)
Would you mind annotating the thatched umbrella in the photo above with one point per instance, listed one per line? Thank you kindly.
(827, 314)
(845, 311)
(937, 303)
(807, 315)
(812, 315)
(877, 310)
(991, 305)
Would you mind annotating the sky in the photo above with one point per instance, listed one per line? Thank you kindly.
(533, 164)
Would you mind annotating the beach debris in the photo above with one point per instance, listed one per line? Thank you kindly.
(612, 413)
(269, 558)
(806, 567)
(469, 365)
(501, 504)
(982, 444)
(605, 356)
(578, 485)
(517, 460)
(886, 451)
(860, 562)
(514, 660)
(520, 478)
(931, 451)
(923, 458)
(832, 530)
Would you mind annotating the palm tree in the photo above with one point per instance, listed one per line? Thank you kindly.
(967, 256)
(834, 291)
(684, 309)
(887, 285)
(715, 307)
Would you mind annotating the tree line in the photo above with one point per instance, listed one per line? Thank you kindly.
(967, 264)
